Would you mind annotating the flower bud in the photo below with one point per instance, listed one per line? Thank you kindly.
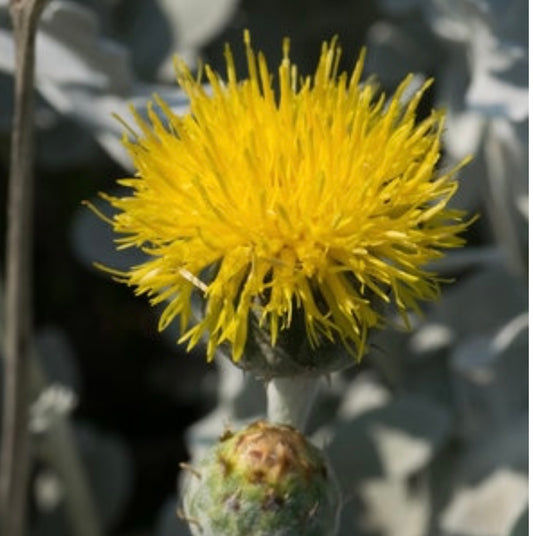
(266, 480)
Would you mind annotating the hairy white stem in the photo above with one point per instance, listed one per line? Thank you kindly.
(290, 400)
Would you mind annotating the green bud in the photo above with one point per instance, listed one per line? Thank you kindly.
(266, 480)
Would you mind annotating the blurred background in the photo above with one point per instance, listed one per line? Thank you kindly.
(429, 435)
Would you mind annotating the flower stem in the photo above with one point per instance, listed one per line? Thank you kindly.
(289, 400)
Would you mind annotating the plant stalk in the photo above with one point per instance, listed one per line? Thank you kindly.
(289, 400)
(14, 460)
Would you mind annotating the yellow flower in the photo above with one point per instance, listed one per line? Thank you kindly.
(314, 196)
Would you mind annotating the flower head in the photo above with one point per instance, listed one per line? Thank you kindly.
(313, 196)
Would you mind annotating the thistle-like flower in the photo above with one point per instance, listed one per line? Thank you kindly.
(313, 196)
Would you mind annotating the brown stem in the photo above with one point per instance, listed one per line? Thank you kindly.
(14, 461)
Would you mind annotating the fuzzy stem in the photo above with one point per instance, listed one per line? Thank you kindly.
(289, 400)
